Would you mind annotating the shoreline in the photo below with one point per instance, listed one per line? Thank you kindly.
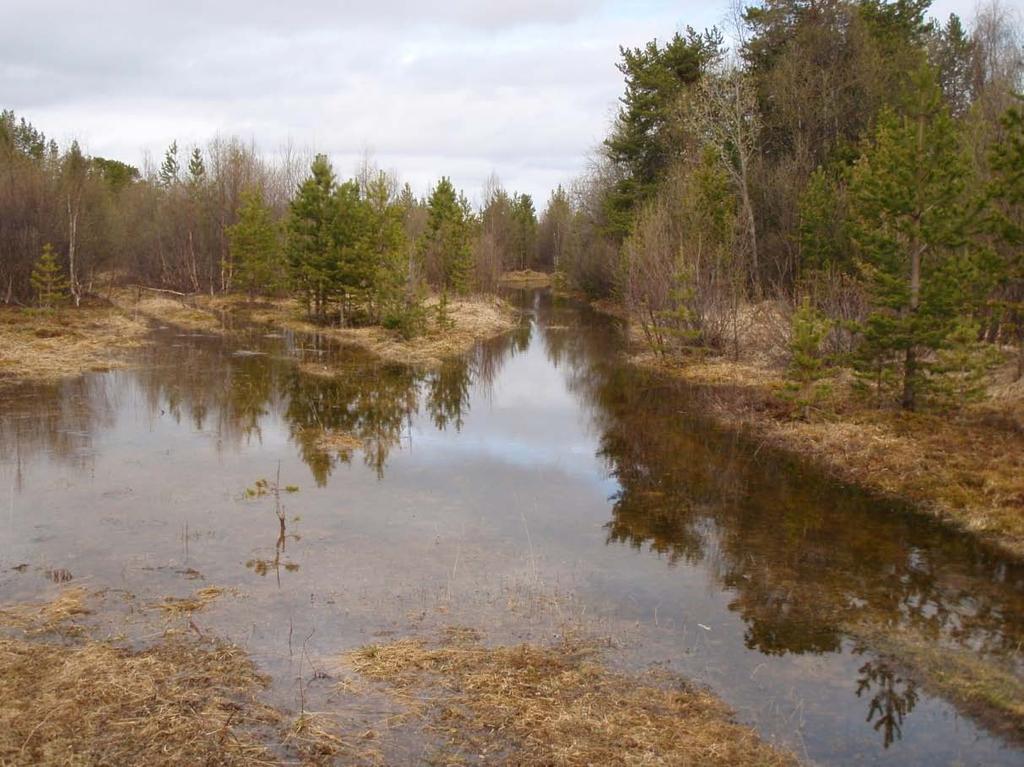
(474, 318)
(38, 346)
(965, 470)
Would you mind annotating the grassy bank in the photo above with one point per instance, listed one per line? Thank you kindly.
(48, 345)
(70, 695)
(967, 469)
(470, 319)
(525, 278)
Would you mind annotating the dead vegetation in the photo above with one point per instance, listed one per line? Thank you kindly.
(49, 345)
(525, 278)
(174, 606)
(470, 319)
(67, 698)
(529, 705)
(181, 311)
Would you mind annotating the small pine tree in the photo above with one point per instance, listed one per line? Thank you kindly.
(254, 244)
(960, 370)
(444, 318)
(806, 362)
(48, 279)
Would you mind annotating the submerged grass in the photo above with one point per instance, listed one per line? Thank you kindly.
(529, 705)
(67, 698)
(46, 346)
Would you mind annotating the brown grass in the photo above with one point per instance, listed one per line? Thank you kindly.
(525, 278)
(47, 346)
(200, 600)
(330, 441)
(528, 705)
(473, 319)
(182, 700)
(185, 312)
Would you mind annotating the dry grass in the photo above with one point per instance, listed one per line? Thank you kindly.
(330, 441)
(48, 617)
(525, 278)
(46, 346)
(168, 309)
(182, 700)
(529, 705)
(200, 600)
(472, 319)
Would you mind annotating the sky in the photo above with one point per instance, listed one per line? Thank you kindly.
(524, 89)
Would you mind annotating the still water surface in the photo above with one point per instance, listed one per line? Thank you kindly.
(539, 482)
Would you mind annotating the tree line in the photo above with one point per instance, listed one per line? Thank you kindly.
(855, 160)
(225, 218)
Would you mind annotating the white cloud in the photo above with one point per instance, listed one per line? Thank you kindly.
(459, 88)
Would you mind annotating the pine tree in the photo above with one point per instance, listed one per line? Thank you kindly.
(312, 238)
(446, 242)
(254, 243)
(806, 362)
(196, 167)
(1006, 222)
(908, 220)
(524, 231)
(170, 168)
(48, 279)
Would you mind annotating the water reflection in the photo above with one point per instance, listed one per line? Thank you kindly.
(810, 568)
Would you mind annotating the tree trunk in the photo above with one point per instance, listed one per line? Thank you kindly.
(76, 288)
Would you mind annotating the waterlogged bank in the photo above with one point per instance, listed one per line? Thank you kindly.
(967, 469)
(47, 345)
(540, 490)
(179, 696)
(466, 321)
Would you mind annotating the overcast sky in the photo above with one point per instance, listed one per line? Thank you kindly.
(521, 88)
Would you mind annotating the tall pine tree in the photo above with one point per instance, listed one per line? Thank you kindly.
(908, 222)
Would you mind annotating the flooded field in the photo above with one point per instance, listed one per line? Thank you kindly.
(540, 485)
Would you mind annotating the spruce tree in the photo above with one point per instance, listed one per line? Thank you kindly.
(908, 221)
(254, 243)
(48, 279)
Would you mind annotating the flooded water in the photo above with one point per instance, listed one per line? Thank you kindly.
(538, 482)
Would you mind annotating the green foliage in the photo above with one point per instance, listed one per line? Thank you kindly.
(196, 167)
(958, 375)
(313, 248)
(443, 318)
(524, 231)
(118, 175)
(807, 365)
(255, 247)
(643, 141)
(48, 279)
(446, 244)
(908, 221)
(170, 168)
(823, 239)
